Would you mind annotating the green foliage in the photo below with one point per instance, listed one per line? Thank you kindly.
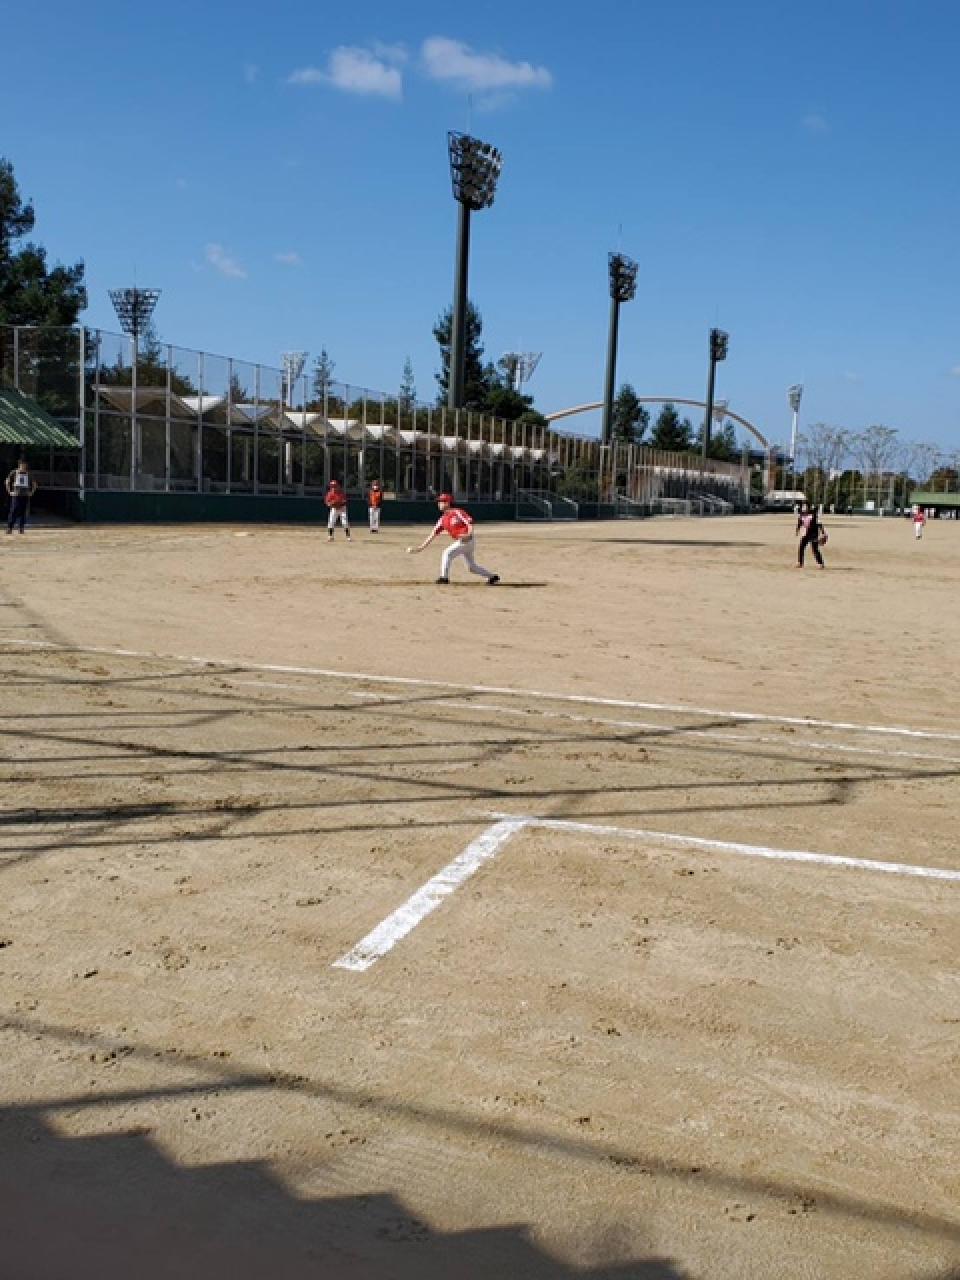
(670, 433)
(323, 368)
(723, 443)
(30, 291)
(630, 418)
(478, 377)
(408, 388)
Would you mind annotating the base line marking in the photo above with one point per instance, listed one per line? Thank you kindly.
(405, 919)
(505, 690)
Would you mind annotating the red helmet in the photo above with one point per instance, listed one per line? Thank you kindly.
(445, 497)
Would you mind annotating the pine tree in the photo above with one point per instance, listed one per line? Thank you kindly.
(408, 388)
(630, 418)
(30, 292)
(323, 368)
(479, 378)
(670, 433)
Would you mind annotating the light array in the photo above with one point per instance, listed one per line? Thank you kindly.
(134, 307)
(474, 169)
(718, 344)
(623, 277)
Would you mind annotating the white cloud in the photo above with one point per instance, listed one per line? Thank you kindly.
(814, 122)
(394, 53)
(357, 71)
(221, 261)
(289, 259)
(456, 63)
(251, 73)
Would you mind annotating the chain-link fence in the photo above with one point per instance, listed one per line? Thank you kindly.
(181, 421)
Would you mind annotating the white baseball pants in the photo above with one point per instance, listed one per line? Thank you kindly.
(462, 548)
(337, 513)
(374, 519)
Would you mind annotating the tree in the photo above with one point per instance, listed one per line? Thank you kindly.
(876, 449)
(151, 368)
(723, 443)
(30, 292)
(408, 389)
(479, 379)
(669, 433)
(323, 368)
(630, 418)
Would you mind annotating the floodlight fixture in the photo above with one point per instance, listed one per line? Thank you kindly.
(521, 366)
(623, 277)
(134, 307)
(718, 345)
(623, 288)
(794, 394)
(474, 170)
(293, 362)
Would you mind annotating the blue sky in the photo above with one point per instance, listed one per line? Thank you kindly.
(785, 171)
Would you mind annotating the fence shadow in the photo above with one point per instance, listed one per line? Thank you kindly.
(115, 1204)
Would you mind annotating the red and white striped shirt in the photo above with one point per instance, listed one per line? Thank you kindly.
(456, 522)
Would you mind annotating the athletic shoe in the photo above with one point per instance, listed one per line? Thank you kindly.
(442, 580)
(492, 582)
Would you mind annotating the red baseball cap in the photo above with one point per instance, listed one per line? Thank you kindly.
(445, 497)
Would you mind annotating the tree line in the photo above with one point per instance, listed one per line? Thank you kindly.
(846, 468)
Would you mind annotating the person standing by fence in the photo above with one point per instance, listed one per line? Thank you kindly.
(374, 503)
(21, 488)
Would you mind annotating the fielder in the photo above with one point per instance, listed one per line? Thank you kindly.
(919, 520)
(336, 501)
(455, 521)
(374, 502)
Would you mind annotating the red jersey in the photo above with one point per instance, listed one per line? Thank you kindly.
(456, 522)
(335, 498)
(375, 497)
(919, 518)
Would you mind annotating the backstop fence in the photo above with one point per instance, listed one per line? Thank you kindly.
(181, 421)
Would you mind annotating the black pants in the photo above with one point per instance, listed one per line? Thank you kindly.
(813, 542)
(18, 512)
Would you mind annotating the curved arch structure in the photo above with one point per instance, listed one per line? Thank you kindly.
(697, 404)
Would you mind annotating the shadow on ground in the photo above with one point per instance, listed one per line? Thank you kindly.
(115, 1204)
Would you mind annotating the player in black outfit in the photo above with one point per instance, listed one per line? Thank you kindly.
(809, 526)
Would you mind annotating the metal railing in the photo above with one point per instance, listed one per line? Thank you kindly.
(547, 505)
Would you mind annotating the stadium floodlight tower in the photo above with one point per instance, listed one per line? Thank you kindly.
(134, 308)
(623, 288)
(520, 367)
(794, 396)
(718, 351)
(293, 362)
(474, 170)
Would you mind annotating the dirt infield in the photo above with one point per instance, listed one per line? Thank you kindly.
(700, 1019)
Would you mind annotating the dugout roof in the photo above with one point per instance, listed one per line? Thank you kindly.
(24, 421)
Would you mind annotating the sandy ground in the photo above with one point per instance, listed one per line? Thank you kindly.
(605, 1054)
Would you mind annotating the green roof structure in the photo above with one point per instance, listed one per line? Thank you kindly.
(24, 421)
(928, 498)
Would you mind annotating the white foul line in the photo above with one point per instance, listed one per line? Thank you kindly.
(505, 690)
(405, 919)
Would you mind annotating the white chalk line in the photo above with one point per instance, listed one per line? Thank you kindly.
(376, 944)
(399, 923)
(503, 690)
(679, 730)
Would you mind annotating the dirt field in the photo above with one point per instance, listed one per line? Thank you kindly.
(283, 994)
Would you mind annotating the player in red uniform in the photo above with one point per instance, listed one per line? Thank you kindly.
(455, 521)
(374, 502)
(336, 501)
(919, 520)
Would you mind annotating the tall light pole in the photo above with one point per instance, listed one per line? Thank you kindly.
(293, 362)
(794, 396)
(134, 307)
(718, 351)
(474, 169)
(623, 288)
